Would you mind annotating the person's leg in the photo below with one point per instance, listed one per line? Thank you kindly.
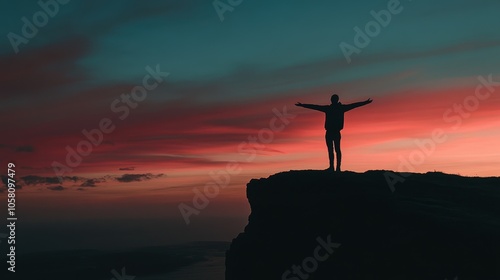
(336, 140)
(329, 145)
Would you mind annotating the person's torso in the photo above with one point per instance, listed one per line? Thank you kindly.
(334, 119)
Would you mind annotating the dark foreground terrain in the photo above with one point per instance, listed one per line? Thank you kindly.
(323, 225)
(137, 263)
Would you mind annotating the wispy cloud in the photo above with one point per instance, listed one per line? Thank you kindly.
(50, 182)
(42, 180)
(26, 149)
(91, 182)
(56, 188)
(126, 168)
(127, 178)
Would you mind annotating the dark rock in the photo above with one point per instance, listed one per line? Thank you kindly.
(434, 226)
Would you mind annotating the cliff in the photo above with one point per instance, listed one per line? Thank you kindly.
(322, 225)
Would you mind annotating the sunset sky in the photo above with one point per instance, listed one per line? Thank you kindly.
(426, 71)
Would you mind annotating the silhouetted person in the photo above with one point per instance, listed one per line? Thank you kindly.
(334, 123)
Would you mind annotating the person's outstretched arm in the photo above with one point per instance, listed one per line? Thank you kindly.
(311, 106)
(349, 107)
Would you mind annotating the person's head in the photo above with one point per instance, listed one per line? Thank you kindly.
(334, 99)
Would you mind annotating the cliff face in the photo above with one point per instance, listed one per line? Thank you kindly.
(323, 225)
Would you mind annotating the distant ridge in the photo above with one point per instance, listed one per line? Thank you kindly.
(142, 262)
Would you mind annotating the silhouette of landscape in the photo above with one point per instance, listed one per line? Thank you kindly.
(153, 140)
(155, 262)
(434, 226)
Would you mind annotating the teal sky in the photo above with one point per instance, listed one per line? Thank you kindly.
(262, 38)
